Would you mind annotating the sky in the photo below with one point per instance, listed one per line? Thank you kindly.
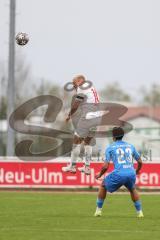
(106, 40)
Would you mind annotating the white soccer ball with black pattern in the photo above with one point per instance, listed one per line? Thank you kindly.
(22, 38)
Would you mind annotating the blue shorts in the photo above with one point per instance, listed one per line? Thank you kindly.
(114, 181)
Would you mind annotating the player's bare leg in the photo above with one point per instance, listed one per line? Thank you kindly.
(102, 192)
(137, 203)
(88, 156)
(74, 155)
(100, 200)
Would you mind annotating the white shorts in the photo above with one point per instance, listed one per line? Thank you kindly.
(86, 119)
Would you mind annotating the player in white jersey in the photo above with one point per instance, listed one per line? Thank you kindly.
(84, 106)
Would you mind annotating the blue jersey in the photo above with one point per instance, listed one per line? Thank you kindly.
(122, 154)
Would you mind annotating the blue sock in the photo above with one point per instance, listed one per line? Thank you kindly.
(138, 205)
(100, 202)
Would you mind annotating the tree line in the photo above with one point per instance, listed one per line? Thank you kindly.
(26, 89)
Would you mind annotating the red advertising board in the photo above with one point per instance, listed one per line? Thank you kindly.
(49, 175)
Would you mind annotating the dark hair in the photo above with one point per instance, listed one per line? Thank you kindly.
(118, 133)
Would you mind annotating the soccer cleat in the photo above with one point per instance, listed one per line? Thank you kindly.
(98, 212)
(85, 169)
(140, 214)
(69, 168)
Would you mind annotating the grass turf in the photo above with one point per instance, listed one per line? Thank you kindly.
(58, 216)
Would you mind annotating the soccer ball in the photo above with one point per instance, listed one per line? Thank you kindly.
(22, 38)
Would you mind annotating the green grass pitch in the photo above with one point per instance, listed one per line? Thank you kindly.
(67, 216)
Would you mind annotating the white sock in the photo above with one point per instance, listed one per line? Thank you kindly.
(88, 154)
(75, 153)
(99, 208)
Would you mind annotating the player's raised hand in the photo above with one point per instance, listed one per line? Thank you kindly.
(68, 118)
(97, 176)
(103, 170)
(137, 172)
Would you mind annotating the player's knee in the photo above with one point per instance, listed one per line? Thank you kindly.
(87, 140)
(102, 192)
(134, 194)
(133, 190)
(77, 140)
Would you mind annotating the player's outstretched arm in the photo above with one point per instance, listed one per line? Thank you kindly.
(74, 108)
(103, 170)
(139, 161)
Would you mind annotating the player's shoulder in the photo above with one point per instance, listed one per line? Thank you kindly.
(129, 145)
(110, 147)
(84, 88)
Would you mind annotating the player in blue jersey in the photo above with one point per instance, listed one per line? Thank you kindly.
(121, 154)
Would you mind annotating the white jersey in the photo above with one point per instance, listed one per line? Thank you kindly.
(90, 94)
